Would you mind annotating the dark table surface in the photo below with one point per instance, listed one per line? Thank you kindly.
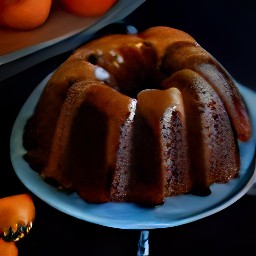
(227, 30)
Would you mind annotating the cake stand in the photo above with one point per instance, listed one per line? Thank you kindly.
(175, 211)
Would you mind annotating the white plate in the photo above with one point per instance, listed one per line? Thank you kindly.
(61, 32)
(175, 211)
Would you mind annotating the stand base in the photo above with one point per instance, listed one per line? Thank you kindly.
(143, 245)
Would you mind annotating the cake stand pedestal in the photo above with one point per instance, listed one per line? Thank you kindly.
(143, 244)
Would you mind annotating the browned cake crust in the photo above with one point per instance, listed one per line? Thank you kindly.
(138, 118)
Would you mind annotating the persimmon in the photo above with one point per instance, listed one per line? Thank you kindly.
(8, 248)
(17, 214)
(89, 8)
(24, 14)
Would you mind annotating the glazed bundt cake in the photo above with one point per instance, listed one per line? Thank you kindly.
(138, 118)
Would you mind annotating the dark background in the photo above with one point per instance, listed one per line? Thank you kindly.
(224, 28)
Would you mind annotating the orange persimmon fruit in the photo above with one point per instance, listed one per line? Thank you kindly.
(88, 8)
(24, 14)
(8, 248)
(17, 214)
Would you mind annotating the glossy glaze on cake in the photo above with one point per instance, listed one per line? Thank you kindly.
(138, 118)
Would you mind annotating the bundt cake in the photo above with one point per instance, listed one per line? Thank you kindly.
(138, 118)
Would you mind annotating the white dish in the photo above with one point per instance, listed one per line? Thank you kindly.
(175, 211)
(61, 32)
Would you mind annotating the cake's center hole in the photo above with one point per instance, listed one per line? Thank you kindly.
(93, 59)
(129, 77)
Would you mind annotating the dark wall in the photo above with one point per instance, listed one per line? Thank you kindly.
(227, 29)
